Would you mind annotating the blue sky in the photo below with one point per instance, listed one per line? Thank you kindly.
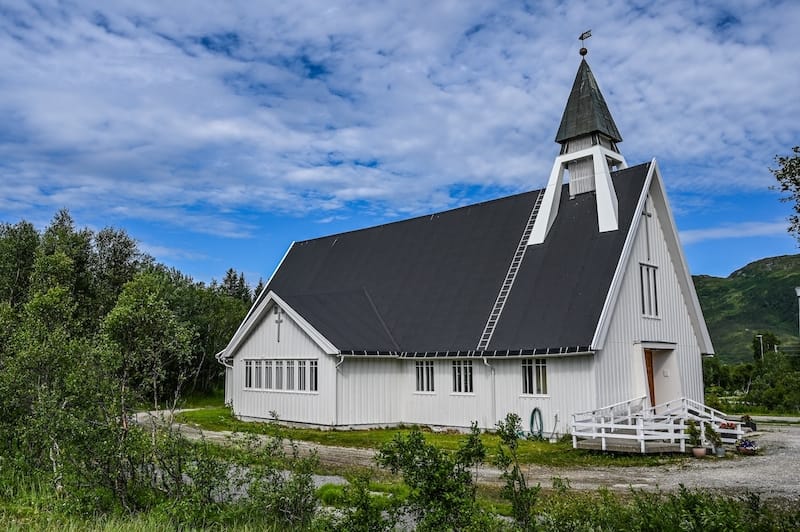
(217, 133)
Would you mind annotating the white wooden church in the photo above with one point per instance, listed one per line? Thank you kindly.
(565, 300)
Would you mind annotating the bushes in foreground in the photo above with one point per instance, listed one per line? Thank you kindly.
(258, 483)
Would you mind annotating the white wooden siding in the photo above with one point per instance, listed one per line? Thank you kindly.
(305, 407)
(443, 407)
(368, 391)
(570, 388)
(619, 367)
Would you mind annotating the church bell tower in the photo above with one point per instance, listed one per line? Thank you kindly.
(588, 138)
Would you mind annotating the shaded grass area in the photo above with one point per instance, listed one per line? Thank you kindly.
(559, 454)
(205, 400)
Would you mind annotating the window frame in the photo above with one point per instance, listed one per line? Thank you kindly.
(463, 377)
(534, 377)
(248, 374)
(292, 375)
(648, 290)
(425, 381)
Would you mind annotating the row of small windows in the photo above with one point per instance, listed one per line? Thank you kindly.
(534, 376)
(301, 375)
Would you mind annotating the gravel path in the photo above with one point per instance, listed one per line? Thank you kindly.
(773, 474)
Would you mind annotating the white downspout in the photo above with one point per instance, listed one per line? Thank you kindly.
(494, 398)
(336, 391)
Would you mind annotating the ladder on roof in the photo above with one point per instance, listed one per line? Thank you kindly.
(511, 274)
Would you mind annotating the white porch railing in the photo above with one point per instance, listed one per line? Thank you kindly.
(636, 422)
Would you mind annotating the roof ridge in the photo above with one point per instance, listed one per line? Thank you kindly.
(454, 209)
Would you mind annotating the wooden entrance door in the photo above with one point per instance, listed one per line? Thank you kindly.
(648, 364)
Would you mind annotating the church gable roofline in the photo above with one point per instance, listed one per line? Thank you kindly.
(269, 300)
(676, 252)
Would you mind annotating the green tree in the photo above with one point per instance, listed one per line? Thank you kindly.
(18, 245)
(442, 486)
(788, 176)
(152, 345)
(63, 258)
(115, 260)
(776, 385)
(516, 490)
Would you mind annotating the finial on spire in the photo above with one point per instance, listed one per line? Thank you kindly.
(585, 35)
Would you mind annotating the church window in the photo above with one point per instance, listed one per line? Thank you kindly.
(279, 375)
(268, 374)
(541, 376)
(313, 373)
(257, 368)
(534, 377)
(290, 374)
(301, 375)
(649, 290)
(424, 376)
(462, 376)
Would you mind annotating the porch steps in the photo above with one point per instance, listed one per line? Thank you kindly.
(632, 426)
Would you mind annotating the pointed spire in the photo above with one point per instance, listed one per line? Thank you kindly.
(586, 111)
(588, 137)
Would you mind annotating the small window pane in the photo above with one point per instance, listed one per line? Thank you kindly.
(301, 375)
(290, 374)
(257, 380)
(312, 375)
(248, 373)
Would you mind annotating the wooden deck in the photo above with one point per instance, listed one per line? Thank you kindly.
(617, 445)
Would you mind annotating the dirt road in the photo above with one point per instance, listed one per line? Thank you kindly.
(773, 474)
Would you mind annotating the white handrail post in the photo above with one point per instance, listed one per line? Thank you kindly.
(640, 433)
(574, 429)
(603, 433)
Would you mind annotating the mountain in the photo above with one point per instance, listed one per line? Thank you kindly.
(757, 298)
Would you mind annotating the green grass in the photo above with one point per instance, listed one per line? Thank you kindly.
(560, 454)
(206, 400)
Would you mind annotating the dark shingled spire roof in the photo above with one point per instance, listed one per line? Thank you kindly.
(586, 110)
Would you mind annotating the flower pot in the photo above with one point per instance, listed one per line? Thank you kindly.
(719, 452)
(745, 450)
(698, 452)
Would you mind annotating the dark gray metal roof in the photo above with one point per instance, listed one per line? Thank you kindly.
(428, 284)
(586, 111)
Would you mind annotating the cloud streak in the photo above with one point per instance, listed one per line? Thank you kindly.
(732, 231)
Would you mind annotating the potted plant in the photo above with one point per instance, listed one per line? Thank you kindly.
(747, 421)
(715, 439)
(745, 446)
(695, 439)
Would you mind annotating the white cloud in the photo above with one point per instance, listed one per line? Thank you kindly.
(162, 253)
(728, 231)
(189, 114)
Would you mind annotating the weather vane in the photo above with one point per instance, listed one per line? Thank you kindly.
(585, 35)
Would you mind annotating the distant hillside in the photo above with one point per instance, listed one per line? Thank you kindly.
(758, 297)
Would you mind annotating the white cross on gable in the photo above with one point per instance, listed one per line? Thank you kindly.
(278, 312)
(647, 215)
